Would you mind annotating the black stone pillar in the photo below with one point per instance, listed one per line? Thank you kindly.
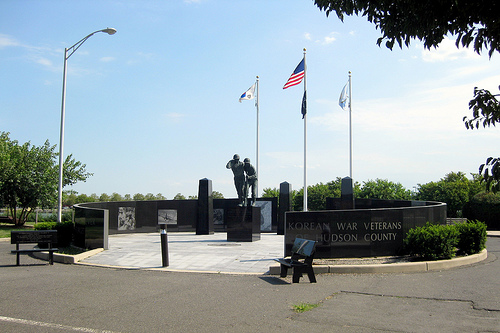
(285, 205)
(347, 194)
(205, 220)
(243, 224)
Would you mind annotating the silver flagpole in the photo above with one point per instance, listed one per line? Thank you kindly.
(350, 126)
(305, 138)
(257, 150)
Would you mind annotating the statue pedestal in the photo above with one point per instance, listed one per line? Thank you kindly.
(243, 224)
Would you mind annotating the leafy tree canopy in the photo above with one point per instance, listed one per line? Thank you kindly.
(383, 189)
(28, 176)
(473, 22)
(455, 189)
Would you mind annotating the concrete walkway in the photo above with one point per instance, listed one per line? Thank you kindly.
(213, 253)
(191, 252)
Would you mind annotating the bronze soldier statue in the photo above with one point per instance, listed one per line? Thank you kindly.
(251, 180)
(239, 177)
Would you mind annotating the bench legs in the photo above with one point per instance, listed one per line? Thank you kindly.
(297, 272)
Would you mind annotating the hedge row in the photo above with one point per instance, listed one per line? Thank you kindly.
(484, 207)
(64, 231)
(432, 242)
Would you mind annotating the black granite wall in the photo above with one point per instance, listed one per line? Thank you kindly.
(363, 232)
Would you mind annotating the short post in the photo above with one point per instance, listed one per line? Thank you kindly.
(347, 193)
(205, 222)
(164, 245)
(285, 205)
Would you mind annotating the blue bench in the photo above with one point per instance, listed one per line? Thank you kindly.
(301, 260)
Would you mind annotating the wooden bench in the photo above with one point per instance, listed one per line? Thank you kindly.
(300, 261)
(47, 237)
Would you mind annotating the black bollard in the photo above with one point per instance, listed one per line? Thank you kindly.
(164, 245)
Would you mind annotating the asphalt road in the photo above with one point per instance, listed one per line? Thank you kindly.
(36, 297)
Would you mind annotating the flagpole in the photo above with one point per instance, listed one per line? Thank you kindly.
(305, 140)
(350, 127)
(257, 149)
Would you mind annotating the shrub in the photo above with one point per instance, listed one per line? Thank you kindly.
(484, 207)
(431, 242)
(64, 231)
(472, 237)
(45, 226)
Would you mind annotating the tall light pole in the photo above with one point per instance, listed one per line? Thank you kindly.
(68, 52)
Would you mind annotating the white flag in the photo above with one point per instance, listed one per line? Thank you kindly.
(249, 94)
(344, 96)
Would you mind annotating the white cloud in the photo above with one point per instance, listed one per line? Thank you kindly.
(329, 39)
(6, 41)
(107, 59)
(447, 51)
(174, 117)
(44, 62)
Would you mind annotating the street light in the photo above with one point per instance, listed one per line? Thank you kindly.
(68, 52)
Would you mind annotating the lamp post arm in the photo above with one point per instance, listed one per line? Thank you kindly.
(76, 46)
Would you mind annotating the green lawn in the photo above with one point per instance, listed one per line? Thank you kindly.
(6, 228)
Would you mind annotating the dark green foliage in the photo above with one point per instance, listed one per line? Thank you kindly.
(485, 110)
(28, 176)
(472, 237)
(455, 189)
(64, 231)
(383, 189)
(490, 172)
(45, 226)
(474, 23)
(484, 207)
(431, 242)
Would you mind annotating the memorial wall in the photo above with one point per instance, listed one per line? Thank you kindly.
(367, 232)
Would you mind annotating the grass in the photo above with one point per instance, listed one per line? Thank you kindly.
(6, 228)
(303, 307)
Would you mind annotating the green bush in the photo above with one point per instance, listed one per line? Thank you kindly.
(472, 237)
(484, 207)
(45, 226)
(431, 242)
(64, 231)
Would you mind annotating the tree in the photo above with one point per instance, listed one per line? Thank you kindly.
(104, 197)
(116, 197)
(179, 196)
(455, 189)
(149, 196)
(270, 192)
(28, 176)
(486, 111)
(217, 195)
(473, 22)
(317, 194)
(160, 196)
(139, 197)
(383, 189)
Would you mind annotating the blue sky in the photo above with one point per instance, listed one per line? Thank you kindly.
(154, 108)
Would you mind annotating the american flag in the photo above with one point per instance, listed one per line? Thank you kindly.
(297, 75)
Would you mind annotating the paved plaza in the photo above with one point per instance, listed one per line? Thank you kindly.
(191, 252)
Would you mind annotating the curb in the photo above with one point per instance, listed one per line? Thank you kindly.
(406, 267)
(67, 258)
